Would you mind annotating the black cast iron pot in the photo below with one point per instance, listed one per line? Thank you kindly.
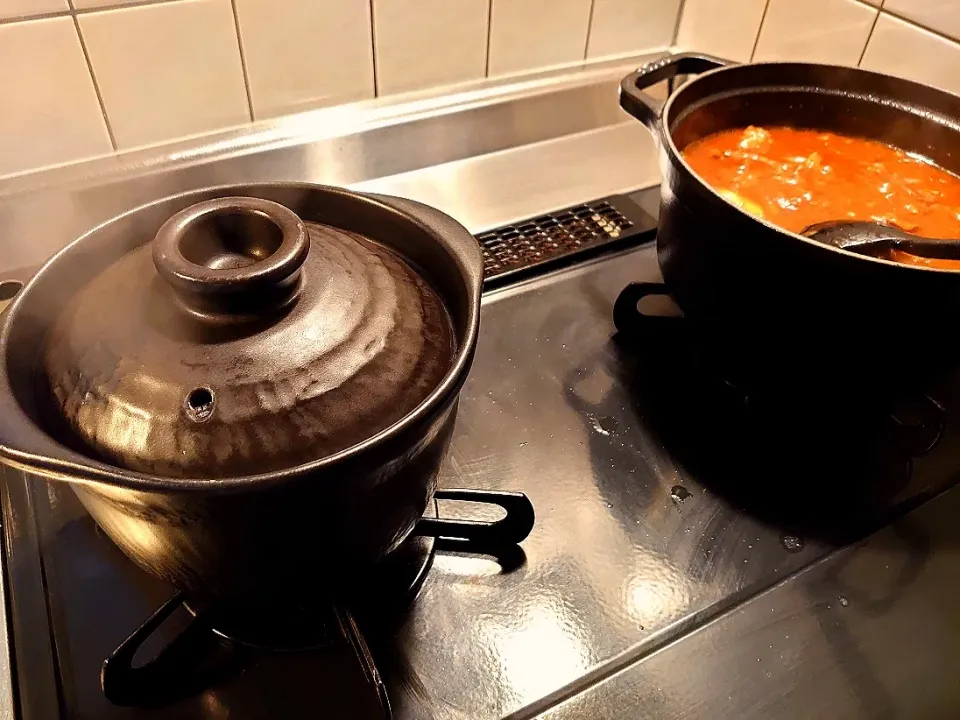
(778, 307)
(261, 405)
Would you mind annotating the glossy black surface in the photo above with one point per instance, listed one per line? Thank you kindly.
(664, 499)
(871, 633)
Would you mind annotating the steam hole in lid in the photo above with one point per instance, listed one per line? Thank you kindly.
(230, 239)
(9, 289)
(200, 404)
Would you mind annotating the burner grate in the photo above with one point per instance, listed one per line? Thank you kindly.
(554, 235)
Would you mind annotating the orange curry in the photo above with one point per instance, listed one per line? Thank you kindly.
(795, 178)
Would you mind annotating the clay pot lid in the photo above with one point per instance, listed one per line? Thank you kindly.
(242, 340)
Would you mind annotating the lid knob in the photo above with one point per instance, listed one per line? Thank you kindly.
(232, 259)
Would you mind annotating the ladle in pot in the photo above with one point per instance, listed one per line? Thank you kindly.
(869, 238)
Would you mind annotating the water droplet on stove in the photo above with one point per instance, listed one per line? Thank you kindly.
(678, 493)
(792, 543)
(604, 425)
(523, 444)
(609, 505)
(844, 602)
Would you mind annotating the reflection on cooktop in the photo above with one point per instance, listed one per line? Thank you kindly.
(663, 498)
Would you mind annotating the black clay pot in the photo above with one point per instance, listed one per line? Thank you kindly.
(259, 402)
(780, 307)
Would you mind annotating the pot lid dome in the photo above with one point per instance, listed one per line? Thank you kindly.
(243, 340)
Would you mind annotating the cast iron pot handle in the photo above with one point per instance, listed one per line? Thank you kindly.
(508, 530)
(627, 317)
(645, 108)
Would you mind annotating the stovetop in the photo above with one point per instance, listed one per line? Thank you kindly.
(664, 499)
(698, 552)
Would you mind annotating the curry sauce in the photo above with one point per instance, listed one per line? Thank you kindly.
(794, 178)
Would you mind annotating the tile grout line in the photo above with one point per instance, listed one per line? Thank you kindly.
(243, 59)
(116, 6)
(914, 23)
(34, 16)
(869, 35)
(93, 77)
(74, 11)
(586, 44)
(373, 50)
(486, 69)
(756, 40)
(142, 3)
(676, 25)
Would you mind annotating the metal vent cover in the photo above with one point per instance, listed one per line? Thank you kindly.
(543, 240)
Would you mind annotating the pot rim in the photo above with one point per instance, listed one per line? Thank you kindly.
(74, 467)
(677, 156)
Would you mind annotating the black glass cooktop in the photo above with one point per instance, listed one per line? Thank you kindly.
(665, 497)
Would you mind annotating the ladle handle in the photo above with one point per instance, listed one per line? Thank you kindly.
(937, 249)
(232, 258)
(872, 238)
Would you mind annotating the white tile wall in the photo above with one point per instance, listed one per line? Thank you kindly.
(725, 28)
(25, 8)
(530, 34)
(55, 117)
(915, 39)
(305, 53)
(619, 27)
(940, 15)
(94, 4)
(89, 77)
(167, 70)
(826, 31)
(899, 48)
(422, 43)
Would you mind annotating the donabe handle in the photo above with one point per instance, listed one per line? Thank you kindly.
(511, 529)
(646, 108)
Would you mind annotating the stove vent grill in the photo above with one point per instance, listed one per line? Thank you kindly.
(549, 236)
